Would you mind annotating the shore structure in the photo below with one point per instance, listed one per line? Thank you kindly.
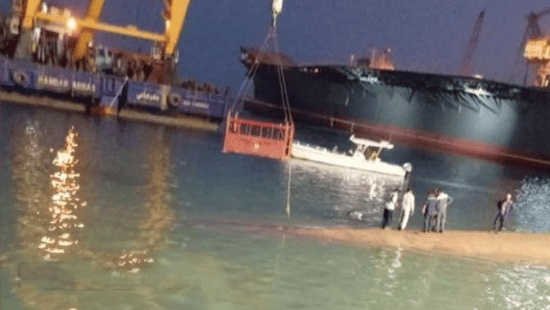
(47, 56)
(127, 114)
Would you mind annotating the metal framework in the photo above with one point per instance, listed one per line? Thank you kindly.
(94, 12)
(465, 65)
(175, 16)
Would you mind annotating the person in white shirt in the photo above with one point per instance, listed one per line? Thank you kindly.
(389, 207)
(407, 208)
(443, 200)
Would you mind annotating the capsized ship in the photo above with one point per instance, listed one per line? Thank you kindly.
(463, 115)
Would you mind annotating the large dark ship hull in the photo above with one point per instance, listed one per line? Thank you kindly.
(462, 115)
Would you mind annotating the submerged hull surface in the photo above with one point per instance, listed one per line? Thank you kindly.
(468, 116)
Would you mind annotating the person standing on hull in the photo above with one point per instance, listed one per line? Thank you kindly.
(407, 208)
(429, 209)
(505, 207)
(389, 207)
(443, 200)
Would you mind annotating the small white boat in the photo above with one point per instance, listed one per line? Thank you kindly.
(365, 156)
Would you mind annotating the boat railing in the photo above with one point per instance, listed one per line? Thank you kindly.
(316, 147)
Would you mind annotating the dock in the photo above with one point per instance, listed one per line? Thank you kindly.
(46, 102)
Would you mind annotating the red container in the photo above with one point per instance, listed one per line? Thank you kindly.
(264, 139)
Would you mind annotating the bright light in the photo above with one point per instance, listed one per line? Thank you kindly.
(71, 24)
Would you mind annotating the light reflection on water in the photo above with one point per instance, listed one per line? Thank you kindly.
(171, 223)
(533, 204)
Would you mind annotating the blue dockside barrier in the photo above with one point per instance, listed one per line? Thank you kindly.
(108, 91)
(144, 94)
(197, 102)
(111, 91)
(20, 74)
(173, 98)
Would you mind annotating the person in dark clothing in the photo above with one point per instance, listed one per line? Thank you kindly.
(429, 209)
(389, 207)
(505, 207)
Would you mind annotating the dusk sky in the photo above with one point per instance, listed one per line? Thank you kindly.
(424, 35)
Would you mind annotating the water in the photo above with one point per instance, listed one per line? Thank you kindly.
(137, 216)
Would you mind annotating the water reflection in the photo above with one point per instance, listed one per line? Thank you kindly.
(52, 218)
(154, 216)
(30, 182)
(60, 235)
(518, 287)
(533, 205)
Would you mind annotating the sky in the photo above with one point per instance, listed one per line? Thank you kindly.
(424, 35)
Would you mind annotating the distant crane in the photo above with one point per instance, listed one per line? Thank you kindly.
(536, 50)
(465, 64)
(533, 30)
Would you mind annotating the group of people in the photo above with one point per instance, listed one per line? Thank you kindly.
(434, 210)
(407, 208)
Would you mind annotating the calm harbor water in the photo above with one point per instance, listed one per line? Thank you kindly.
(105, 214)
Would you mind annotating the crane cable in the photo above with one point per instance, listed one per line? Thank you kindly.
(280, 74)
(245, 86)
(286, 108)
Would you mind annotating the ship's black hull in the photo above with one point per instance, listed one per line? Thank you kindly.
(463, 115)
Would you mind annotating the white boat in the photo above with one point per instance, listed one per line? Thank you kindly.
(365, 156)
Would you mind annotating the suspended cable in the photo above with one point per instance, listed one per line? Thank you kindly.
(288, 189)
(282, 82)
(245, 86)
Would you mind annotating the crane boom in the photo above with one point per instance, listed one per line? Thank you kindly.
(31, 8)
(465, 65)
(174, 24)
(94, 12)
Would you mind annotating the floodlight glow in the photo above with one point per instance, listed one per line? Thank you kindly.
(71, 24)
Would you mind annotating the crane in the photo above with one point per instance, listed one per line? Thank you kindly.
(465, 64)
(536, 49)
(175, 15)
(532, 31)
